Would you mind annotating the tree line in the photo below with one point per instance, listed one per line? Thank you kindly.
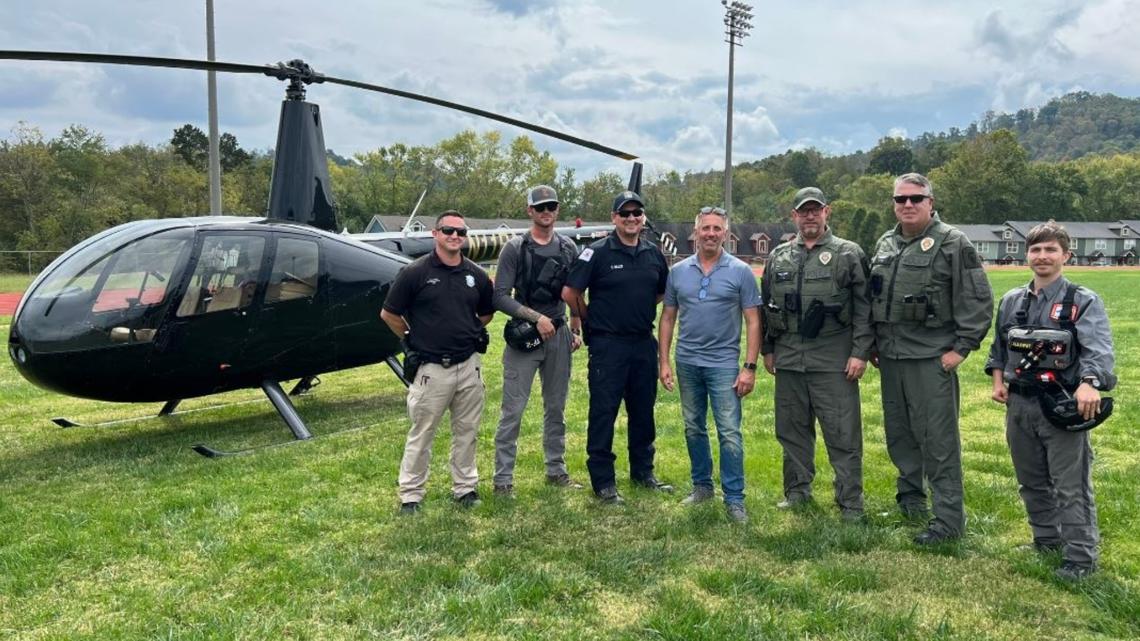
(1073, 159)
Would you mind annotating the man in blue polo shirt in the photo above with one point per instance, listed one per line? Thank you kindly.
(713, 290)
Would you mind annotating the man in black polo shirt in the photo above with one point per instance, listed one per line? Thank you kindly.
(440, 304)
(625, 276)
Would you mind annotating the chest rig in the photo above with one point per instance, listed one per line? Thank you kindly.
(902, 285)
(1043, 354)
(804, 292)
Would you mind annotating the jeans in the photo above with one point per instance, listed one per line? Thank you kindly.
(699, 385)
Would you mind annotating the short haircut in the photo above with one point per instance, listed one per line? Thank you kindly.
(1046, 232)
(449, 212)
(716, 211)
(916, 179)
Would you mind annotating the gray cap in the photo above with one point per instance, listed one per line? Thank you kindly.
(808, 194)
(627, 197)
(541, 194)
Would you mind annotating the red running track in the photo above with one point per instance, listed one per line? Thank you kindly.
(8, 302)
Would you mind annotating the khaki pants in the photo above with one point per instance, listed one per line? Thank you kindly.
(437, 388)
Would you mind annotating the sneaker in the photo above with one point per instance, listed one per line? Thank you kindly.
(933, 537)
(1070, 571)
(411, 507)
(700, 494)
(505, 490)
(793, 502)
(469, 500)
(651, 483)
(609, 496)
(563, 480)
(736, 512)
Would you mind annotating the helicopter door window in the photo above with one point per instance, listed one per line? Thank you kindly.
(295, 271)
(225, 277)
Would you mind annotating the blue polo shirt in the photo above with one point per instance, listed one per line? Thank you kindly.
(709, 327)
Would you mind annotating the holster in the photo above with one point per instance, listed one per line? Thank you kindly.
(813, 319)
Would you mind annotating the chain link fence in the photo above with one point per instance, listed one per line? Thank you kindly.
(27, 262)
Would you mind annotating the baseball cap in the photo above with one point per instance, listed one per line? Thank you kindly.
(627, 197)
(807, 194)
(541, 194)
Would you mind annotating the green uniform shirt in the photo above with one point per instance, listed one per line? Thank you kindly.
(929, 294)
(833, 271)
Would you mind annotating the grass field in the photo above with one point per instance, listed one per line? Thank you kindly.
(124, 533)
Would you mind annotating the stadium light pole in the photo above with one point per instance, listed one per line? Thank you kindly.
(737, 17)
(212, 99)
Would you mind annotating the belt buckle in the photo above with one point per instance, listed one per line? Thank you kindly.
(445, 361)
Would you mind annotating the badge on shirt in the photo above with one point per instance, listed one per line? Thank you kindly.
(926, 244)
(1055, 312)
(470, 280)
(825, 258)
(586, 254)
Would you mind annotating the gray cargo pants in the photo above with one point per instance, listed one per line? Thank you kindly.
(920, 418)
(1054, 474)
(801, 398)
(552, 362)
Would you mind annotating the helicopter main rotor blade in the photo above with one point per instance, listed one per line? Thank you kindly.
(283, 72)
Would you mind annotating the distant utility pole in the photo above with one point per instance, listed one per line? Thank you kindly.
(212, 90)
(736, 25)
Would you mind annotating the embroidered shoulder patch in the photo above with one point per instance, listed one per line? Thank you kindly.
(586, 254)
(1055, 312)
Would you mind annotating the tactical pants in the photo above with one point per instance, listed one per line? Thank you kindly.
(801, 398)
(920, 417)
(435, 390)
(1054, 474)
(621, 368)
(552, 363)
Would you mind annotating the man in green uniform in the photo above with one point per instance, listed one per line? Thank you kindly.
(931, 305)
(817, 341)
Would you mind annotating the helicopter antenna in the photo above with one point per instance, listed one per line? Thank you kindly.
(414, 210)
(299, 74)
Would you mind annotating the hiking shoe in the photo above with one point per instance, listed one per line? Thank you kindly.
(700, 494)
(469, 500)
(793, 502)
(609, 496)
(1070, 571)
(563, 480)
(506, 491)
(651, 483)
(409, 508)
(736, 512)
(933, 537)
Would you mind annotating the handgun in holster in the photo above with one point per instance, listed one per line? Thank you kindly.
(813, 319)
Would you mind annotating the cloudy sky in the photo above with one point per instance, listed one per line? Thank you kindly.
(644, 76)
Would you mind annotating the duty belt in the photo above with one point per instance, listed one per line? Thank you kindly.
(447, 360)
(1023, 389)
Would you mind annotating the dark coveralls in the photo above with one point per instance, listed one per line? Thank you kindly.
(929, 295)
(624, 284)
(1054, 466)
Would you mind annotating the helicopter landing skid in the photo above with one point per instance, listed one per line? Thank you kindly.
(167, 410)
(288, 413)
(304, 385)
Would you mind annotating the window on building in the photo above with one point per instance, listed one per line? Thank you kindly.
(1011, 248)
(1007, 234)
(1124, 231)
(982, 246)
(1100, 243)
(1129, 243)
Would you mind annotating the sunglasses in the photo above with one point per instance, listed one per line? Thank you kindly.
(626, 213)
(713, 210)
(545, 207)
(703, 292)
(807, 213)
(914, 199)
(448, 230)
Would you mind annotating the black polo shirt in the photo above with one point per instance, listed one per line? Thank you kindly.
(623, 282)
(442, 304)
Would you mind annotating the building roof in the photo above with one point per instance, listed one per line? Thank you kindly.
(1075, 229)
(982, 233)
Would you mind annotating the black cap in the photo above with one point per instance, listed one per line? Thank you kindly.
(626, 197)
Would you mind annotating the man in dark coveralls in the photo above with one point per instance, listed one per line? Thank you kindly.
(625, 276)
(1053, 465)
(441, 304)
(931, 305)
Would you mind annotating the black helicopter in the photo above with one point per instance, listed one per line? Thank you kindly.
(165, 310)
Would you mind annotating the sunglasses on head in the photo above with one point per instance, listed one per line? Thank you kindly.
(626, 213)
(913, 198)
(448, 230)
(713, 210)
(545, 206)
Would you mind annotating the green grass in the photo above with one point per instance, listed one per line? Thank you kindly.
(14, 282)
(124, 533)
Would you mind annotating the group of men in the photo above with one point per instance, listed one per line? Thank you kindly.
(915, 310)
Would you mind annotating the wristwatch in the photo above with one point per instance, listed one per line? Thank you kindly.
(751, 366)
(1091, 380)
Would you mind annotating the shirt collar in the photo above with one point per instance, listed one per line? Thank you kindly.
(1052, 289)
(822, 240)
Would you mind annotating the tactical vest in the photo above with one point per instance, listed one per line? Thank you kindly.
(540, 278)
(799, 280)
(902, 286)
(1044, 354)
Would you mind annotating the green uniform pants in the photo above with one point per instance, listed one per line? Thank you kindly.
(1054, 475)
(920, 418)
(801, 398)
